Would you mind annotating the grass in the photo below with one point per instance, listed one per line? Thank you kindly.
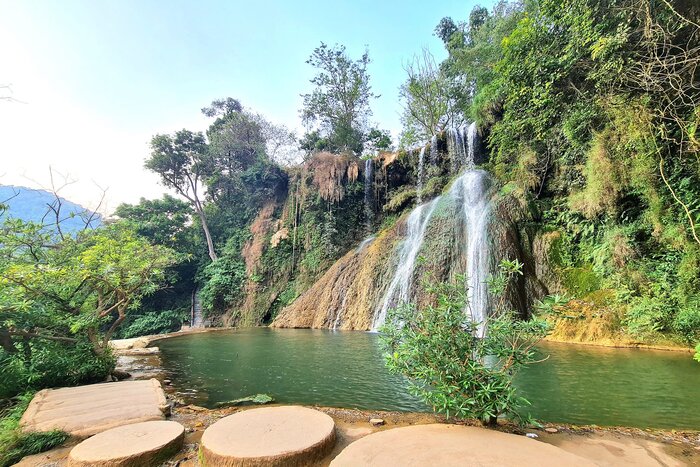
(14, 444)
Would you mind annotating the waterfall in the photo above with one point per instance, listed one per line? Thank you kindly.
(399, 287)
(472, 188)
(369, 211)
(433, 150)
(471, 145)
(197, 317)
(421, 174)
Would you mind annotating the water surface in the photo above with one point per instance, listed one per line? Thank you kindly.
(576, 384)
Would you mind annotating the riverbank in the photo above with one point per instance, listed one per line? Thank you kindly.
(615, 446)
(622, 345)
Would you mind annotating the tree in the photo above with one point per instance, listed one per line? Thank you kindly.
(62, 299)
(428, 100)
(340, 103)
(377, 140)
(166, 221)
(445, 29)
(448, 365)
(182, 162)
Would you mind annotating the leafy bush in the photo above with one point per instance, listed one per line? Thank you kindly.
(49, 364)
(453, 370)
(687, 322)
(400, 199)
(157, 322)
(646, 316)
(14, 444)
(225, 278)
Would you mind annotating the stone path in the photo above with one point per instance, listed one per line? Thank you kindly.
(142, 444)
(452, 445)
(86, 410)
(270, 436)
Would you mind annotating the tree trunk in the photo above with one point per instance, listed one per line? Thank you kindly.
(205, 227)
(6, 341)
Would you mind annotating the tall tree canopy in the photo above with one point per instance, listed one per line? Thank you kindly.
(182, 161)
(339, 106)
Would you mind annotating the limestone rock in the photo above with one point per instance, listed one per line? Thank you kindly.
(452, 445)
(286, 435)
(86, 410)
(142, 444)
(376, 421)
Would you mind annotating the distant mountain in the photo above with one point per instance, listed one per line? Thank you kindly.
(32, 205)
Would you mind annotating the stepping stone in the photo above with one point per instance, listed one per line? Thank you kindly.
(452, 445)
(142, 444)
(270, 436)
(87, 410)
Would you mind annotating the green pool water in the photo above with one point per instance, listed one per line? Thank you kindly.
(576, 384)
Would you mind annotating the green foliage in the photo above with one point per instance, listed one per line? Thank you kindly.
(62, 299)
(166, 221)
(456, 372)
(157, 322)
(697, 352)
(400, 198)
(224, 280)
(14, 444)
(580, 281)
(579, 117)
(686, 322)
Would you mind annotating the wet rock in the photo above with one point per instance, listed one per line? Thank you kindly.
(120, 374)
(551, 430)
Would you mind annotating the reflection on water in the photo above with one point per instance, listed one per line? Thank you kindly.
(577, 384)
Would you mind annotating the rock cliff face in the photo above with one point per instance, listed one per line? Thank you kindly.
(454, 223)
(355, 291)
(346, 295)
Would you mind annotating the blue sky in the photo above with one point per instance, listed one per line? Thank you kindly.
(97, 79)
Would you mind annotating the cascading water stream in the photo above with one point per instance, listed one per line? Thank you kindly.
(197, 316)
(400, 285)
(472, 188)
(471, 193)
(433, 150)
(471, 146)
(369, 211)
(421, 174)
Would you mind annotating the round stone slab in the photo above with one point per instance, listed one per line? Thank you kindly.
(452, 445)
(142, 444)
(269, 436)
